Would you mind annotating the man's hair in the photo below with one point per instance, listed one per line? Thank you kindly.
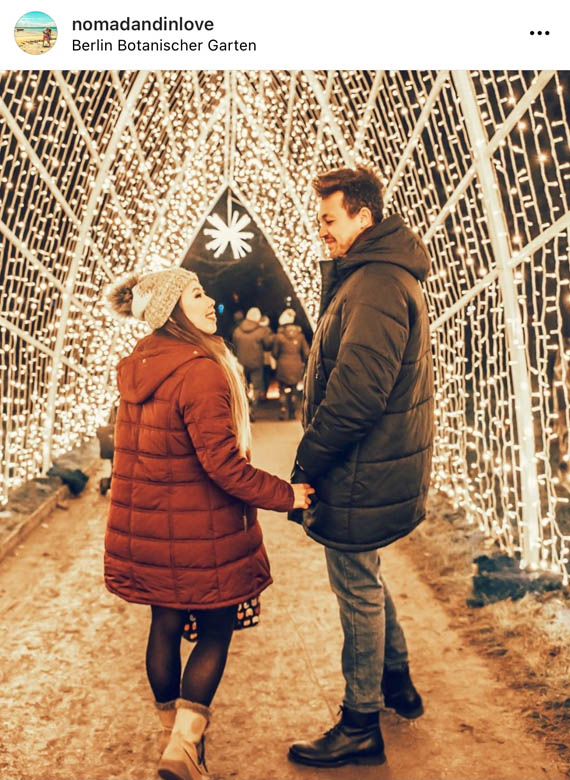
(360, 187)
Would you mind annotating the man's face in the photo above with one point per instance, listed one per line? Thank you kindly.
(337, 228)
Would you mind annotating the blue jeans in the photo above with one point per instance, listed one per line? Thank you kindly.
(373, 637)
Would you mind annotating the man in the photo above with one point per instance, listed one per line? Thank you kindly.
(250, 339)
(367, 445)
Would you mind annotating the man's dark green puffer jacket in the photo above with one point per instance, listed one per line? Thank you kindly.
(368, 402)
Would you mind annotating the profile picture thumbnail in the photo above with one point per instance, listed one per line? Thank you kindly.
(35, 32)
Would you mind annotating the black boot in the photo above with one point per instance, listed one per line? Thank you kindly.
(400, 694)
(356, 739)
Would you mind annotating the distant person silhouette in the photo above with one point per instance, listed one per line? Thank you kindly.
(290, 350)
(250, 339)
(269, 363)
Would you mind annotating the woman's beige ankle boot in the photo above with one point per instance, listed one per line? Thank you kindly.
(183, 757)
(166, 713)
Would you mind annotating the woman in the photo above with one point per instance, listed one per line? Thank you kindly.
(182, 532)
(290, 350)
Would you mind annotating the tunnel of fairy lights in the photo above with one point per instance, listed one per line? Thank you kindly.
(103, 173)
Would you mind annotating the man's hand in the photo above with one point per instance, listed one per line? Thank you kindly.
(302, 492)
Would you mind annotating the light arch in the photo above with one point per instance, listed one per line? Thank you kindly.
(106, 172)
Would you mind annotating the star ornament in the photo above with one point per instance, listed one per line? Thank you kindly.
(232, 234)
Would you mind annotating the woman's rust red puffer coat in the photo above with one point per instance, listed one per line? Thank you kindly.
(182, 530)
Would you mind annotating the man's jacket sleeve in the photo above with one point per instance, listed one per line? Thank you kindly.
(373, 340)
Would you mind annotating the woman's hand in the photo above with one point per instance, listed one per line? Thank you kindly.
(302, 492)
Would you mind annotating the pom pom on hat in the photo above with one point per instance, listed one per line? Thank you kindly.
(120, 295)
(150, 298)
(287, 317)
(253, 314)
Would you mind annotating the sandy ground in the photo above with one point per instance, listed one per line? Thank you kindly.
(32, 42)
(75, 701)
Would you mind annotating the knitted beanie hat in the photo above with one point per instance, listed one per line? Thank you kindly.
(253, 314)
(287, 317)
(150, 298)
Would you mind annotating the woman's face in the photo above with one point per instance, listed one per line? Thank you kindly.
(199, 308)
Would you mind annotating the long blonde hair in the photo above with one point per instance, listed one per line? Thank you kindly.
(179, 326)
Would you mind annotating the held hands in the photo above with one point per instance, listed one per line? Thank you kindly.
(302, 492)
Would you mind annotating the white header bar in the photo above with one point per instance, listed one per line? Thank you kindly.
(309, 34)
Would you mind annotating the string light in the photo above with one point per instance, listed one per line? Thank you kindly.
(142, 192)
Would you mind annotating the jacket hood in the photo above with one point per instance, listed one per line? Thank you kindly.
(290, 331)
(248, 326)
(390, 241)
(153, 360)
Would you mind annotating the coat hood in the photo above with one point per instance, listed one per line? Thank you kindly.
(153, 359)
(248, 326)
(390, 241)
(290, 331)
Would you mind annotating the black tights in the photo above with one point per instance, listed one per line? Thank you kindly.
(207, 660)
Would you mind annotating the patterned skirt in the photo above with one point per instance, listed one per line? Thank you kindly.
(247, 615)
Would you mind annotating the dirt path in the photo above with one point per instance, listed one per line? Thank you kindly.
(75, 701)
